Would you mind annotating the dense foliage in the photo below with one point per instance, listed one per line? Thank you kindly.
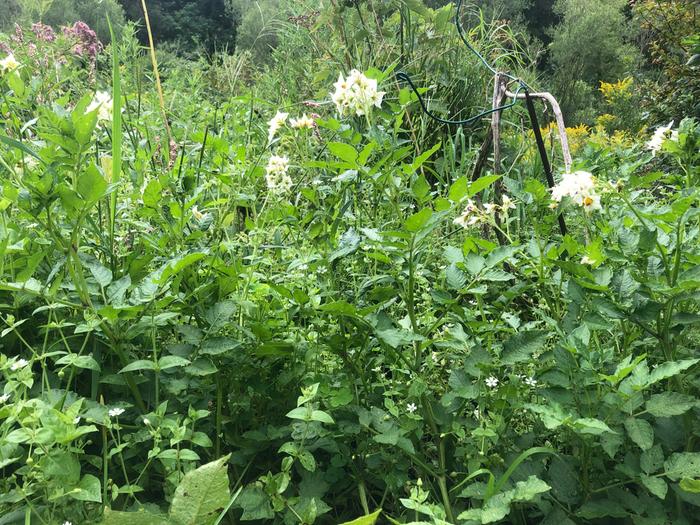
(234, 291)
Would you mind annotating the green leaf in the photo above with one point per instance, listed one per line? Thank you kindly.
(683, 465)
(590, 425)
(321, 416)
(458, 190)
(344, 152)
(522, 346)
(656, 486)
(641, 432)
(142, 364)
(482, 183)
(218, 345)
(690, 485)
(669, 404)
(89, 489)
(92, 186)
(141, 517)
(369, 519)
(255, 504)
(102, 274)
(416, 221)
(201, 495)
(669, 369)
(171, 361)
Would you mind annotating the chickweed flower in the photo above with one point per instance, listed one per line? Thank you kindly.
(102, 102)
(303, 122)
(275, 124)
(531, 381)
(9, 64)
(356, 94)
(491, 382)
(115, 412)
(20, 363)
(411, 408)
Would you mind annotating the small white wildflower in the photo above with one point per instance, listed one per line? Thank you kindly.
(587, 260)
(115, 412)
(102, 102)
(20, 363)
(303, 122)
(580, 187)
(275, 124)
(470, 216)
(531, 381)
(198, 215)
(9, 64)
(411, 408)
(661, 134)
(507, 203)
(490, 208)
(67, 523)
(491, 382)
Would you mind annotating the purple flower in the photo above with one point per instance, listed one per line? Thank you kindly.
(87, 42)
(44, 32)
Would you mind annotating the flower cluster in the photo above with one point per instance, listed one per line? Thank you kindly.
(580, 187)
(472, 214)
(303, 122)
(356, 94)
(43, 32)
(278, 181)
(661, 134)
(102, 102)
(8, 64)
(87, 43)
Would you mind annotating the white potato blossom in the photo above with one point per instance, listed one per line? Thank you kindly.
(9, 64)
(20, 363)
(102, 102)
(303, 122)
(470, 216)
(491, 382)
(275, 124)
(411, 408)
(661, 134)
(580, 187)
(356, 94)
(115, 412)
(276, 177)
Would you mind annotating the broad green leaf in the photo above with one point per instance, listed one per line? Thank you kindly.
(416, 221)
(141, 364)
(142, 517)
(343, 151)
(641, 432)
(690, 485)
(482, 183)
(656, 486)
(92, 186)
(370, 519)
(321, 416)
(683, 465)
(458, 190)
(89, 489)
(522, 346)
(669, 369)
(201, 494)
(590, 425)
(255, 504)
(172, 361)
(669, 404)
